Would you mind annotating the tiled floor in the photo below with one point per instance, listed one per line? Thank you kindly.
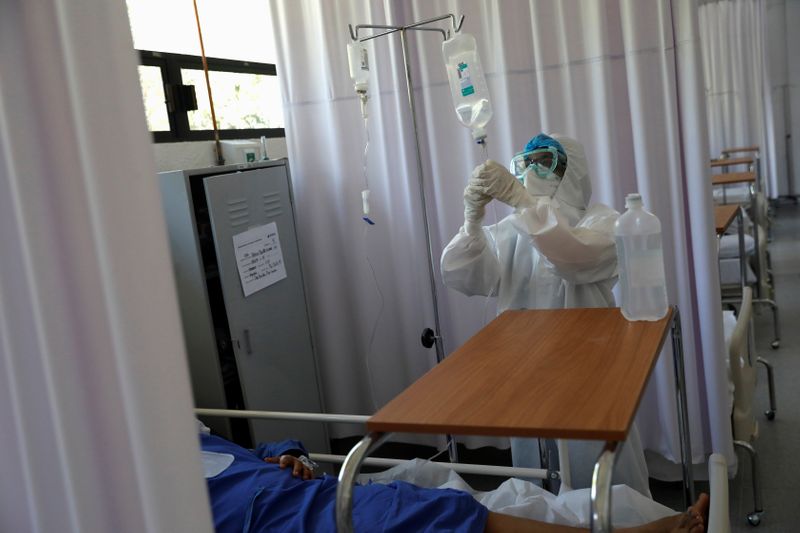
(778, 444)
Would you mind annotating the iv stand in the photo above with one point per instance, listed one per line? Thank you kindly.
(430, 337)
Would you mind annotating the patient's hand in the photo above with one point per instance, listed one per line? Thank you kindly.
(298, 468)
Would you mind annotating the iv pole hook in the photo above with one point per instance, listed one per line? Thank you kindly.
(457, 27)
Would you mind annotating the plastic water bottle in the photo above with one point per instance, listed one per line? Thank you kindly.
(641, 262)
(467, 83)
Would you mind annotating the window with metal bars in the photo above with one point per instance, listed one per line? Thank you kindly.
(246, 97)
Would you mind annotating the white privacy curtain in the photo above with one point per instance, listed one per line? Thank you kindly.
(733, 64)
(748, 54)
(603, 72)
(96, 425)
(738, 93)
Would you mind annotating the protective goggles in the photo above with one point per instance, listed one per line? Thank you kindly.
(544, 161)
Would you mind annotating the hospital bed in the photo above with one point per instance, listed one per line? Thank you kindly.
(524, 358)
(526, 504)
(747, 192)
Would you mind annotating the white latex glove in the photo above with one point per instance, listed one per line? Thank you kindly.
(493, 179)
(474, 208)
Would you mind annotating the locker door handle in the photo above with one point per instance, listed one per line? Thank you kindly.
(248, 348)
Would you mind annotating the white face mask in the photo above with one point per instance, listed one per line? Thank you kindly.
(537, 186)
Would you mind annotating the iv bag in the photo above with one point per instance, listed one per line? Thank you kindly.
(467, 83)
(358, 58)
(359, 64)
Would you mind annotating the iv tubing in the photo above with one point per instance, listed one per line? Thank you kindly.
(438, 340)
(368, 353)
(365, 192)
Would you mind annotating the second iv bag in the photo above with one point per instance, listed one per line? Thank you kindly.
(467, 83)
(358, 59)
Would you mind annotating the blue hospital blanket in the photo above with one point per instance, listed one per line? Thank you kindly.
(254, 496)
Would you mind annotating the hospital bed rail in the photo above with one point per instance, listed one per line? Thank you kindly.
(461, 468)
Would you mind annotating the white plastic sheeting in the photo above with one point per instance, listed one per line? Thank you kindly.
(524, 499)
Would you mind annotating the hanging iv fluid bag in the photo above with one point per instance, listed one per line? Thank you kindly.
(359, 70)
(467, 83)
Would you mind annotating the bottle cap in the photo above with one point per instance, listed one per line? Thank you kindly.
(633, 199)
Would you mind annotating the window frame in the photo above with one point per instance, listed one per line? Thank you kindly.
(171, 65)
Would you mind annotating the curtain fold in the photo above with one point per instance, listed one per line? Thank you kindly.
(605, 73)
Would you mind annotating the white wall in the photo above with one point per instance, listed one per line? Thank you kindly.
(186, 155)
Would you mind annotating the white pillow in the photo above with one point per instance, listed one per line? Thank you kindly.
(202, 428)
(729, 246)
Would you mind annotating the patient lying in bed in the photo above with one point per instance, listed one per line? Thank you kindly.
(269, 489)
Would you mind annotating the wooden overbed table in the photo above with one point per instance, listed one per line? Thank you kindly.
(561, 373)
(731, 161)
(724, 216)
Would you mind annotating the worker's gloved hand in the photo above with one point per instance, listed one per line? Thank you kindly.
(474, 208)
(494, 180)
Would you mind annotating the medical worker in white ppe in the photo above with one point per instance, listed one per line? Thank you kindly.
(553, 252)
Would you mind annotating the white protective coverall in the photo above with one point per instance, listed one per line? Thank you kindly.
(553, 253)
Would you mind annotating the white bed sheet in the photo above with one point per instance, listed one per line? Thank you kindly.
(524, 499)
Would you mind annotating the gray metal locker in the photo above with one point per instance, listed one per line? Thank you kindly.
(245, 352)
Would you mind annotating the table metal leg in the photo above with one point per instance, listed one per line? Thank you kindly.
(755, 517)
(759, 179)
(347, 478)
(600, 512)
(776, 340)
(683, 410)
(547, 462)
(742, 250)
(771, 388)
(756, 240)
(563, 466)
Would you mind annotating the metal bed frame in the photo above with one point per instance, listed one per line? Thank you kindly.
(760, 298)
(770, 413)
